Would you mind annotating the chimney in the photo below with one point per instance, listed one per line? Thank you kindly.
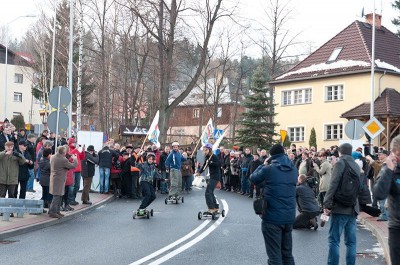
(369, 20)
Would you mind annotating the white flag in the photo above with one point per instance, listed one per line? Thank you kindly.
(207, 132)
(218, 141)
(154, 132)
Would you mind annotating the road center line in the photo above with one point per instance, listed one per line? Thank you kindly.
(168, 247)
(193, 241)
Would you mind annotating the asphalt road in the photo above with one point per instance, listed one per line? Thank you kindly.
(174, 235)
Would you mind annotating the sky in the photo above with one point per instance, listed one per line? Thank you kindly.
(317, 21)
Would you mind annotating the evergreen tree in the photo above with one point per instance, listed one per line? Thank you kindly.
(396, 21)
(258, 126)
(313, 139)
(18, 122)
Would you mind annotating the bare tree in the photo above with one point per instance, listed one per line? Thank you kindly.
(162, 20)
(276, 38)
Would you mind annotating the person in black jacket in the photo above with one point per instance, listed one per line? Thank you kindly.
(44, 165)
(87, 171)
(307, 205)
(252, 167)
(214, 165)
(388, 186)
(105, 163)
(23, 173)
(163, 169)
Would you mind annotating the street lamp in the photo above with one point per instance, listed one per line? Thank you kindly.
(6, 62)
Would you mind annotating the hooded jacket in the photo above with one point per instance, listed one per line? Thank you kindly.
(388, 186)
(337, 175)
(279, 178)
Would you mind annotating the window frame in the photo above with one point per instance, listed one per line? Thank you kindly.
(18, 78)
(338, 134)
(19, 95)
(196, 113)
(299, 133)
(219, 112)
(337, 89)
(298, 96)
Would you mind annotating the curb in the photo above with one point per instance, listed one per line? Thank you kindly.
(51, 222)
(383, 240)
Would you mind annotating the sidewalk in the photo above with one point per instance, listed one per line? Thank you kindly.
(379, 229)
(28, 223)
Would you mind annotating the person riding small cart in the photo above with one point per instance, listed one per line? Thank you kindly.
(148, 172)
(214, 165)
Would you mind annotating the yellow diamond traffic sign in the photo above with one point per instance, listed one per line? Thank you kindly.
(373, 127)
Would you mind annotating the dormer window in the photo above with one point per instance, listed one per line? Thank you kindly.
(334, 54)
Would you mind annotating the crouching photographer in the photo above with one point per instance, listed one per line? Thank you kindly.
(307, 205)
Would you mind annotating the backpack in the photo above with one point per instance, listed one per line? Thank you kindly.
(349, 187)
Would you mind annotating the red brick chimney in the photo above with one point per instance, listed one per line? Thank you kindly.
(369, 19)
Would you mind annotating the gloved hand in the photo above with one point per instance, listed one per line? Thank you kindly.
(15, 153)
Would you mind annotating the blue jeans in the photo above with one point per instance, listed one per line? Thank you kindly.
(384, 214)
(104, 179)
(278, 243)
(245, 184)
(340, 222)
(68, 190)
(29, 186)
(77, 183)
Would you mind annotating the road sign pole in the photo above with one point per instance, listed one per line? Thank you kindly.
(58, 117)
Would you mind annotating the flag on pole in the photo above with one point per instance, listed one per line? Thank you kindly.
(154, 131)
(283, 135)
(207, 132)
(218, 141)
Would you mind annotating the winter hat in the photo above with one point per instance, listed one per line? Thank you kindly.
(355, 155)
(276, 149)
(71, 141)
(208, 145)
(345, 149)
(90, 148)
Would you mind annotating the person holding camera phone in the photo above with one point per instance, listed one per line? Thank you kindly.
(10, 161)
(80, 155)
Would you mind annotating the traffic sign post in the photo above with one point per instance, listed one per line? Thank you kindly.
(373, 127)
(59, 98)
(354, 129)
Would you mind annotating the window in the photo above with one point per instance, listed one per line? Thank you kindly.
(219, 112)
(334, 54)
(298, 96)
(296, 134)
(334, 93)
(17, 97)
(18, 78)
(196, 113)
(333, 131)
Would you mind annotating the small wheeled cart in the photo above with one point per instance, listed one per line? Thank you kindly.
(142, 213)
(213, 215)
(174, 199)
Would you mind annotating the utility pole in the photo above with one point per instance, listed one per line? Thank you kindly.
(70, 65)
(79, 85)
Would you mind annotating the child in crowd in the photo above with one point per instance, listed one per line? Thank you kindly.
(148, 172)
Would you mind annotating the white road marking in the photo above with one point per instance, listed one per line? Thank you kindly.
(168, 247)
(195, 240)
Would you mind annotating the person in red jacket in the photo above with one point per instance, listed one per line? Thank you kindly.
(77, 171)
(68, 187)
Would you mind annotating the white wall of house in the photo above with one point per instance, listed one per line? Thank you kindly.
(19, 96)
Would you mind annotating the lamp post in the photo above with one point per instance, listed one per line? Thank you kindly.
(6, 62)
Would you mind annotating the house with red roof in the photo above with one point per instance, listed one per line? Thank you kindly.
(333, 85)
